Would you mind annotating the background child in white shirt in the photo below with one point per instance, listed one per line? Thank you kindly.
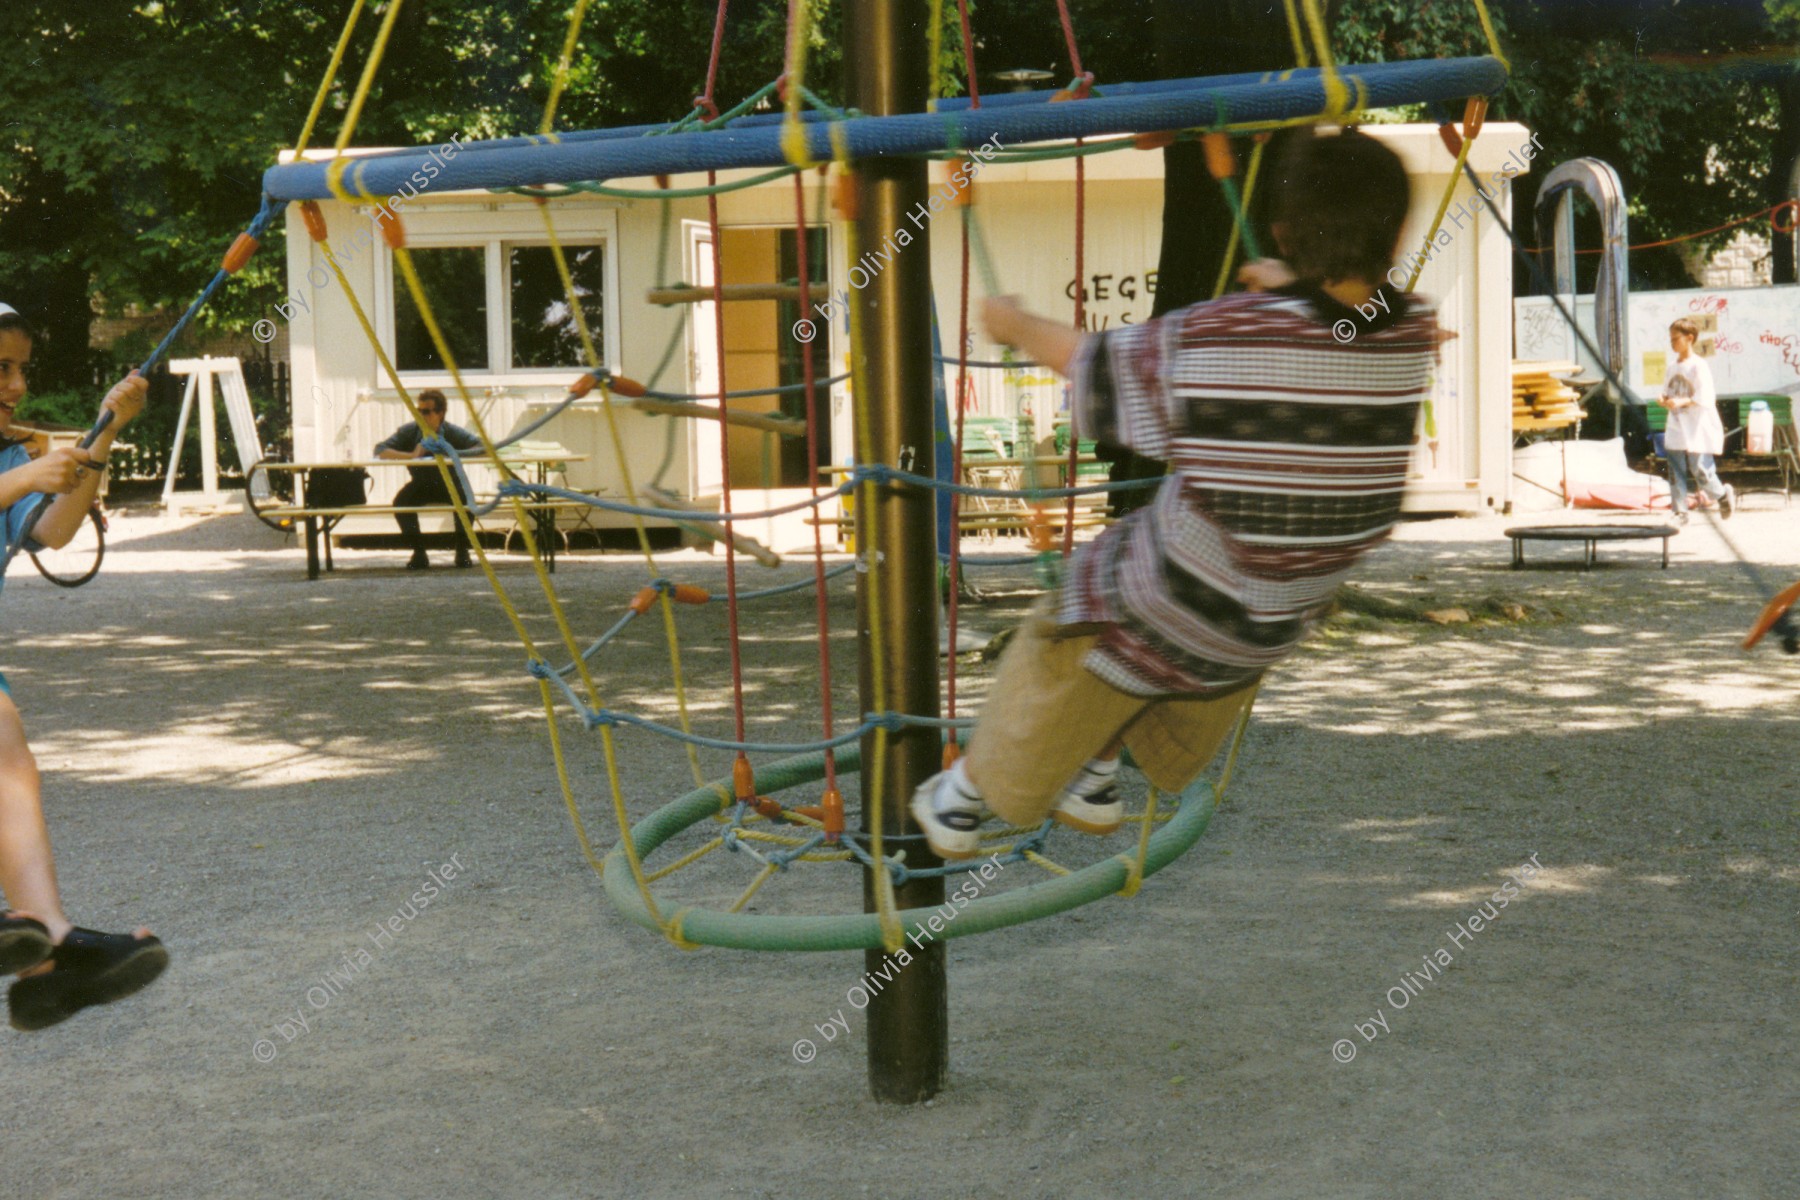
(1694, 433)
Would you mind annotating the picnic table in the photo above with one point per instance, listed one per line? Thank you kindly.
(320, 520)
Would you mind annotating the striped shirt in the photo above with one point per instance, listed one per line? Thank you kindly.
(1288, 445)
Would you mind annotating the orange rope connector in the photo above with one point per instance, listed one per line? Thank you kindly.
(1154, 141)
(584, 385)
(619, 385)
(1084, 86)
(965, 192)
(832, 804)
(646, 596)
(1042, 538)
(1474, 113)
(1221, 163)
(688, 593)
(743, 779)
(239, 254)
(662, 181)
(315, 220)
(952, 752)
(844, 196)
(393, 231)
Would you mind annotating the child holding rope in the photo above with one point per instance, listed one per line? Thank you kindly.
(1287, 416)
(62, 969)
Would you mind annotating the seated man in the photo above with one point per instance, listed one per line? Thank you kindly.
(1287, 418)
(427, 483)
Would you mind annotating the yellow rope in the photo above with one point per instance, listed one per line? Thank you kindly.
(1487, 27)
(665, 603)
(331, 69)
(793, 133)
(465, 518)
(403, 258)
(685, 859)
(368, 76)
(1337, 99)
(561, 79)
(562, 779)
(1237, 740)
(1437, 221)
(1033, 857)
(937, 55)
(1134, 875)
(762, 877)
(861, 393)
(1299, 39)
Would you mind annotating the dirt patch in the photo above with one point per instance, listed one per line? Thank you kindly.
(268, 770)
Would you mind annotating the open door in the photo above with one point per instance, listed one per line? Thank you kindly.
(703, 363)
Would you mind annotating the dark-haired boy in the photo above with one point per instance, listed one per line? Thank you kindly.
(1287, 417)
(427, 483)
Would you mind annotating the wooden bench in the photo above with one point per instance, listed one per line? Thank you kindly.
(320, 521)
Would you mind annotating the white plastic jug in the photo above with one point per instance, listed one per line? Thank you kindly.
(1759, 429)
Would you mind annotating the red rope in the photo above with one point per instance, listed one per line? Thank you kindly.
(1068, 546)
(812, 470)
(1062, 10)
(712, 75)
(968, 40)
(1774, 213)
(962, 383)
(1083, 80)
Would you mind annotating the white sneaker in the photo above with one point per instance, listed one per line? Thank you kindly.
(1097, 808)
(949, 817)
(1100, 813)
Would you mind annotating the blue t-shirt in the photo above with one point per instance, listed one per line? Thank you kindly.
(10, 457)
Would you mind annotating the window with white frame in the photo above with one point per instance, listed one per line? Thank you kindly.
(501, 306)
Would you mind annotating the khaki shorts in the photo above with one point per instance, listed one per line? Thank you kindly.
(1047, 714)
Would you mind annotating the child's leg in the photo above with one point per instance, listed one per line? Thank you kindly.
(27, 870)
(1705, 476)
(1176, 739)
(1045, 718)
(1678, 480)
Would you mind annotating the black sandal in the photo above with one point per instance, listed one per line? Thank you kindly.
(24, 942)
(87, 968)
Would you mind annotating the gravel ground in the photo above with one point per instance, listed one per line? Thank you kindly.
(266, 770)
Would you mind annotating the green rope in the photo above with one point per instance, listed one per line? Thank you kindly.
(689, 193)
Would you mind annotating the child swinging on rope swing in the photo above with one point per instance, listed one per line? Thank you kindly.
(1286, 414)
(62, 969)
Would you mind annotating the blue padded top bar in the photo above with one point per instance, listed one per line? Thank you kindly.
(949, 104)
(1127, 108)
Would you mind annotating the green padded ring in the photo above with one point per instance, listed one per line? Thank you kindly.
(862, 931)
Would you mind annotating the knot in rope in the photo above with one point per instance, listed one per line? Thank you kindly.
(893, 722)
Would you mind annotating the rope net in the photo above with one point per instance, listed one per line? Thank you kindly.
(814, 142)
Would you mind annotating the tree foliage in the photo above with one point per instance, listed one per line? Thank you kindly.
(134, 132)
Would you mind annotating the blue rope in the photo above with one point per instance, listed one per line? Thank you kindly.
(259, 224)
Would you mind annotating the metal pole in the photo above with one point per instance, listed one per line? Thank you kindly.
(909, 1049)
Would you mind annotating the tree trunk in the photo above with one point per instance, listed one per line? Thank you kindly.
(1193, 39)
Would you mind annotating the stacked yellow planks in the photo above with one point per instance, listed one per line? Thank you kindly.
(1542, 399)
